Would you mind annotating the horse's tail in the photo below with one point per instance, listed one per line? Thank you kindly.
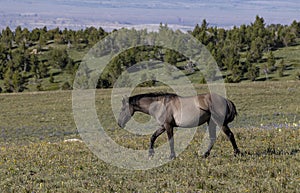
(231, 112)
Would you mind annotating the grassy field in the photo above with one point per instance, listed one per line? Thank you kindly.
(35, 158)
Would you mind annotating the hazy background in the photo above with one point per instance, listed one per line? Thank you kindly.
(110, 14)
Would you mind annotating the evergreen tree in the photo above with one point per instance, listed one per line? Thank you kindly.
(34, 66)
(286, 36)
(17, 82)
(236, 74)
(3, 60)
(42, 69)
(231, 55)
(42, 41)
(7, 37)
(201, 32)
(26, 35)
(252, 71)
(297, 75)
(66, 86)
(271, 61)
(281, 68)
(295, 28)
(51, 79)
(58, 58)
(256, 49)
(35, 34)
(18, 35)
(8, 86)
(170, 57)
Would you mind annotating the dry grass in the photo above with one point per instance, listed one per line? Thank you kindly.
(35, 158)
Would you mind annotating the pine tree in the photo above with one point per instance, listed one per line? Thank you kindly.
(231, 55)
(7, 37)
(18, 35)
(170, 57)
(51, 79)
(34, 66)
(17, 82)
(42, 69)
(35, 34)
(42, 40)
(295, 28)
(281, 68)
(252, 71)
(8, 86)
(58, 58)
(256, 50)
(271, 61)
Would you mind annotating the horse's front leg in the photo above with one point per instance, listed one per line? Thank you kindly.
(170, 133)
(157, 133)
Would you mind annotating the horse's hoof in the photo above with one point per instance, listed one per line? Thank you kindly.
(172, 156)
(205, 155)
(237, 152)
(151, 153)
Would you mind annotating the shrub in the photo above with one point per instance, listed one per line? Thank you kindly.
(66, 86)
(298, 75)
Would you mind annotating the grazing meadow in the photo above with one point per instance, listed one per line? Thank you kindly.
(36, 155)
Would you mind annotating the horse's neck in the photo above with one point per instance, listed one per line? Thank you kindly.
(143, 104)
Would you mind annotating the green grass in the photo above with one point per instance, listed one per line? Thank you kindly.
(291, 57)
(35, 158)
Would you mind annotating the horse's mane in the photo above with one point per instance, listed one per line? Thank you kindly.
(158, 95)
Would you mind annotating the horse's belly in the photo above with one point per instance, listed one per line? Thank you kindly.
(191, 120)
(188, 123)
(190, 113)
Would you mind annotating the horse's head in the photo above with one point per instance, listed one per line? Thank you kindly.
(126, 112)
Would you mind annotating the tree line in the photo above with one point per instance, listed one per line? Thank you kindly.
(26, 55)
(240, 49)
(31, 55)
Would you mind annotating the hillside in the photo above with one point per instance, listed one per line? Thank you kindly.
(44, 59)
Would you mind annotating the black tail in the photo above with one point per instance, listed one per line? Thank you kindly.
(231, 112)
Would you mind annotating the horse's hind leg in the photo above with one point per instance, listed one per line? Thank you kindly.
(157, 133)
(212, 138)
(230, 136)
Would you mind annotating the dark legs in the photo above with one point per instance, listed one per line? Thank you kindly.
(157, 133)
(212, 138)
(171, 141)
(230, 136)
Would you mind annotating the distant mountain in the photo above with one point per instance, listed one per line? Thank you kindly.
(113, 13)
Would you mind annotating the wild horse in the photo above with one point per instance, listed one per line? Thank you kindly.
(171, 110)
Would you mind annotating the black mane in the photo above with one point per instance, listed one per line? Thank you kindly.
(133, 99)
